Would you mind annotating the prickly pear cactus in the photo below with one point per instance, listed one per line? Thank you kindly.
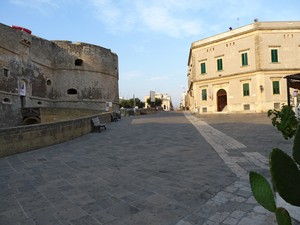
(285, 175)
(263, 194)
(262, 191)
(282, 216)
(296, 147)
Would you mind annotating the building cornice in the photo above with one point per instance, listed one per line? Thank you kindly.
(249, 73)
(257, 26)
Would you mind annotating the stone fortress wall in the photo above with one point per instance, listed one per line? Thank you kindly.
(35, 72)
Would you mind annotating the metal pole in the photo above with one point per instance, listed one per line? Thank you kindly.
(288, 90)
(133, 104)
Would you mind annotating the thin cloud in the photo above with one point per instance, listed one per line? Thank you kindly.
(159, 78)
(160, 19)
(131, 75)
(166, 17)
(117, 16)
(174, 18)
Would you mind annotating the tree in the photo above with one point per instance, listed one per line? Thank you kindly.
(157, 102)
(141, 105)
(130, 103)
(124, 104)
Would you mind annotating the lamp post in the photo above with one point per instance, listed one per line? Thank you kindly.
(133, 104)
(296, 109)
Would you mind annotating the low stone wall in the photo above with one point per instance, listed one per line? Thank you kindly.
(18, 139)
(62, 114)
(130, 112)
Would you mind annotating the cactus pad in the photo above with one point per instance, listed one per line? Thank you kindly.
(283, 217)
(285, 176)
(262, 191)
(296, 147)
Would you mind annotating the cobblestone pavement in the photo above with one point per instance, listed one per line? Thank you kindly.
(170, 168)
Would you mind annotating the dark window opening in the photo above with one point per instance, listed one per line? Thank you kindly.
(6, 100)
(219, 64)
(203, 68)
(276, 105)
(39, 103)
(49, 82)
(31, 120)
(5, 72)
(246, 107)
(204, 95)
(244, 59)
(274, 55)
(246, 90)
(276, 89)
(78, 62)
(72, 91)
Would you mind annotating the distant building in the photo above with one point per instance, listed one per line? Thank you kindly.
(166, 101)
(35, 72)
(243, 69)
(183, 100)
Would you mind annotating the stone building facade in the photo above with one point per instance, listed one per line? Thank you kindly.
(35, 72)
(243, 69)
(166, 102)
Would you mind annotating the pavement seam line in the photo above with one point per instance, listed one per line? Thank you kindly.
(201, 126)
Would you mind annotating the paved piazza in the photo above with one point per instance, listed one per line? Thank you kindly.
(169, 168)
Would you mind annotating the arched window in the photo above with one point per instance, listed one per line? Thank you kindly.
(78, 62)
(72, 91)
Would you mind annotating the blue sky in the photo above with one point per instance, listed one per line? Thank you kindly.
(151, 37)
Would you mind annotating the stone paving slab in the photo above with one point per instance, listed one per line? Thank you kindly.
(154, 169)
(253, 158)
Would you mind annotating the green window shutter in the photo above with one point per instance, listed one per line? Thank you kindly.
(274, 55)
(203, 68)
(244, 59)
(246, 90)
(276, 89)
(204, 95)
(219, 64)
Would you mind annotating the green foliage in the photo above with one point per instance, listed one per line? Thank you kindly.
(157, 102)
(283, 216)
(130, 103)
(125, 104)
(285, 175)
(262, 191)
(284, 120)
(141, 104)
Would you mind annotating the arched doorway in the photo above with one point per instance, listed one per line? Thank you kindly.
(221, 99)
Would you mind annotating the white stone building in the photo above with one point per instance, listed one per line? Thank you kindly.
(243, 69)
(166, 101)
